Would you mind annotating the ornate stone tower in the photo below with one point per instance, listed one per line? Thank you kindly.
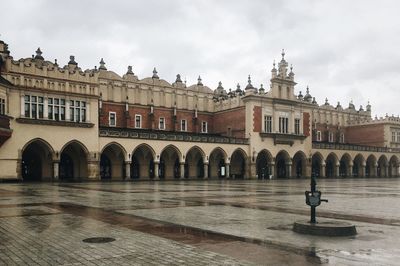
(282, 83)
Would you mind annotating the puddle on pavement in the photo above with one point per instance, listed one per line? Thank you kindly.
(189, 235)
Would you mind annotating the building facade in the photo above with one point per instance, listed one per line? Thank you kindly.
(63, 123)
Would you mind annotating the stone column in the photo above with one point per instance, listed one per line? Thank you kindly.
(227, 170)
(375, 170)
(387, 170)
(252, 171)
(363, 166)
(323, 170)
(350, 170)
(289, 169)
(182, 165)
(156, 169)
(337, 170)
(127, 170)
(308, 168)
(271, 166)
(206, 170)
(55, 170)
(93, 170)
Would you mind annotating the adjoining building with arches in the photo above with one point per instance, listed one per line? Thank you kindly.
(63, 123)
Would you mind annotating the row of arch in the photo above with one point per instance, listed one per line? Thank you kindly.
(39, 161)
(283, 166)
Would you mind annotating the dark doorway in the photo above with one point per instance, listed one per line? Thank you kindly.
(105, 167)
(66, 167)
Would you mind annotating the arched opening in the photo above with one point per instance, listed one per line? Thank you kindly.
(105, 167)
(238, 164)
(316, 165)
(283, 165)
(142, 164)
(370, 168)
(263, 164)
(299, 163)
(73, 161)
(394, 166)
(344, 168)
(36, 163)
(217, 168)
(194, 164)
(382, 166)
(170, 163)
(330, 167)
(358, 166)
(112, 162)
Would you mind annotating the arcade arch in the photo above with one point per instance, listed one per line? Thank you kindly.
(112, 161)
(73, 161)
(217, 168)
(142, 164)
(37, 161)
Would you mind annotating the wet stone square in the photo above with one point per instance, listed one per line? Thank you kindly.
(229, 222)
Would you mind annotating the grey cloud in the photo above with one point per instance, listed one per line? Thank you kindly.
(341, 49)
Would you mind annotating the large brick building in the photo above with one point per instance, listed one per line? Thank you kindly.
(61, 123)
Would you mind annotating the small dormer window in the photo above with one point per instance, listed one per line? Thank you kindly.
(112, 119)
(330, 136)
(319, 136)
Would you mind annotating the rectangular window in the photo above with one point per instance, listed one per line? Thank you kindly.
(77, 110)
(2, 106)
(283, 125)
(204, 127)
(112, 119)
(56, 109)
(183, 125)
(330, 137)
(398, 136)
(161, 123)
(342, 138)
(268, 124)
(393, 136)
(138, 121)
(297, 126)
(318, 135)
(33, 106)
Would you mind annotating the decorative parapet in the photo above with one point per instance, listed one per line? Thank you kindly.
(168, 135)
(54, 123)
(352, 147)
(280, 138)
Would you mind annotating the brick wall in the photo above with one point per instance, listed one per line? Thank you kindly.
(371, 135)
(306, 124)
(257, 113)
(152, 122)
(111, 107)
(230, 122)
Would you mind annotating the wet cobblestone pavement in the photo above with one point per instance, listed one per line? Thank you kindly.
(196, 223)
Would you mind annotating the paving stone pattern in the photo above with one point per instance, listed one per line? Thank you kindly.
(229, 222)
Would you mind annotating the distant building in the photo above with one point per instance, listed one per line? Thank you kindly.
(61, 123)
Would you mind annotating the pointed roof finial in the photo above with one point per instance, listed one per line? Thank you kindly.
(39, 54)
(220, 85)
(155, 76)
(199, 83)
(102, 65)
(273, 64)
(238, 88)
(130, 70)
(307, 90)
(283, 54)
(249, 80)
(326, 101)
(178, 78)
(291, 68)
(72, 60)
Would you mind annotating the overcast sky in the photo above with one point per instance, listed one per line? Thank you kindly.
(344, 50)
